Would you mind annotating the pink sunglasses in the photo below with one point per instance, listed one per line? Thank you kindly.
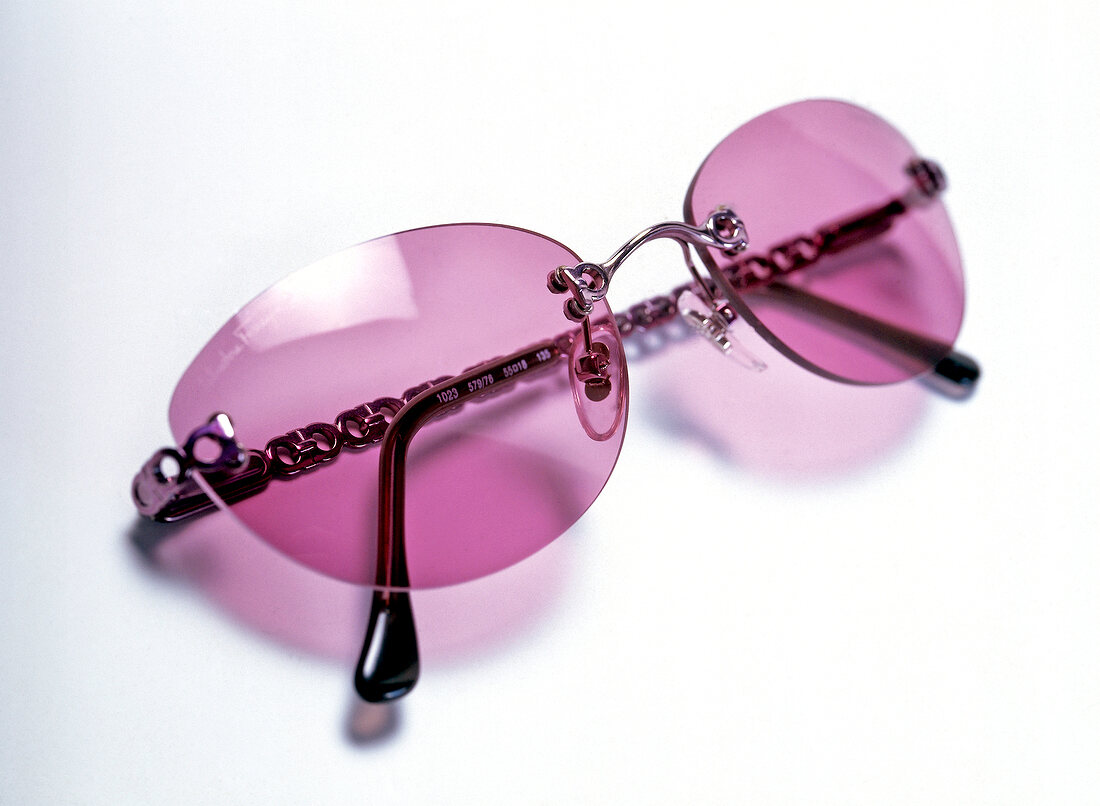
(854, 273)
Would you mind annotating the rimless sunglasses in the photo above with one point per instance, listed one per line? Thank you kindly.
(327, 415)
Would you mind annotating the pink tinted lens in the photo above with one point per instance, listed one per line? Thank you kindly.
(880, 311)
(487, 485)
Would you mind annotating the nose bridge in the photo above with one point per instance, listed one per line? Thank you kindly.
(587, 283)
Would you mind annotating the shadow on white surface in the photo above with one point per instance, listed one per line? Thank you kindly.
(372, 724)
(297, 608)
(782, 425)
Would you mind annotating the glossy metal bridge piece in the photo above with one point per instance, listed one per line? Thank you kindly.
(587, 283)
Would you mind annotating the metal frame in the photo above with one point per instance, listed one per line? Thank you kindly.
(389, 664)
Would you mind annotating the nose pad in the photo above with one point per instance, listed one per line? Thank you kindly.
(715, 324)
(598, 379)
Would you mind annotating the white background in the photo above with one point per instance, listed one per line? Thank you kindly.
(808, 593)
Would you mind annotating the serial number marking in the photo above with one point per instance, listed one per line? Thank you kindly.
(480, 383)
(452, 394)
(515, 367)
(447, 395)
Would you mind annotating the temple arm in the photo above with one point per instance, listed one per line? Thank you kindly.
(169, 498)
(389, 663)
(957, 373)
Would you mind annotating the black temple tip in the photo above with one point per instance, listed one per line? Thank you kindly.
(389, 664)
(956, 375)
